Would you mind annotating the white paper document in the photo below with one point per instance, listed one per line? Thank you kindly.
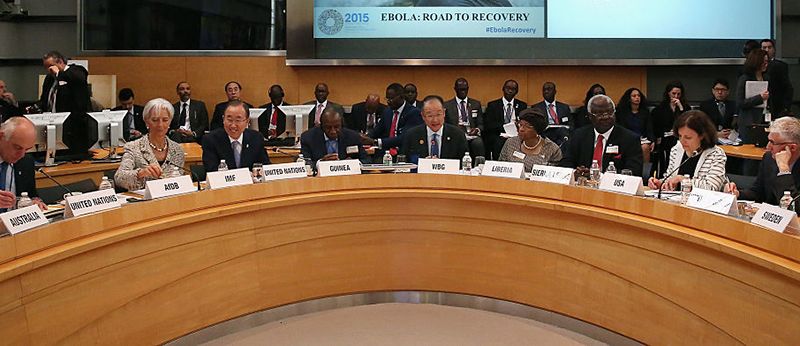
(753, 88)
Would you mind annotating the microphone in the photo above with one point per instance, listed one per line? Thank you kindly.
(565, 140)
(691, 155)
(41, 170)
(184, 171)
(278, 150)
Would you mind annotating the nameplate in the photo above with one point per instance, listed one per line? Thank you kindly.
(20, 220)
(234, 177)
(626, 184)
(713, 201)
(285, 171)
(91, 202)
(503, 169)
(769, 216)
(552, 174)
(168, 187)
(439, 166)
(338, 167)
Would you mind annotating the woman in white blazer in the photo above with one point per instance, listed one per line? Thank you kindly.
(696, 154)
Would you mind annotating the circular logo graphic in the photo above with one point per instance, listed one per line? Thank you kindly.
(330, 22)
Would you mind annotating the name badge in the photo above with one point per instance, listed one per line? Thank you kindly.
(519, 155)
(612, 149)
(168, 187)
(439, 166)
(773, 217)
(565, 119)
(285, 171)
(713, 201)
(337, 168)
(19, 220)
(91, 202)
(234, 177)
(474, 113)
(552, 174)
(503, 169)
(625, 184)
(353, 149)
(668, 134)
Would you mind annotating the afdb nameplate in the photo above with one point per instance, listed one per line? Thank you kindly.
(552, 174)
(234, 177)
(168, 187)
(773, 217)
(338, 167)
(19, 220)
(713, 201)
(626, 184)
(439, 166)
(285, 171)
(91, 202)
(503, 169)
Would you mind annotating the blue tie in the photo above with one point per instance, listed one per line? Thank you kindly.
(332, 146)
(435, 145)
(237, 153)
(3, 174)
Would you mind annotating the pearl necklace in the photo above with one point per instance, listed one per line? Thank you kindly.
(160, 150)
(539, 141)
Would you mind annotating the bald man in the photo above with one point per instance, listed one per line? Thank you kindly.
(331, 141)
(17, 135)
(365, 115)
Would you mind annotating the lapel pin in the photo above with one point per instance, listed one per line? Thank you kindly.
(421, 141)
(448, 138)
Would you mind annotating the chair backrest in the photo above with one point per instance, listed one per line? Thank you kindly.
(743, 182)
(53, 194)
(110, 174)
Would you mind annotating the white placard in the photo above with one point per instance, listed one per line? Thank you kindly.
(627, 184)
(718, 202)
(168, 187)
(773, 217)
(19, 220)
(234, 177)
(503, 169)
(439, 166)
(91, 202)
(552, 174)
(338, 167)
(285, 171)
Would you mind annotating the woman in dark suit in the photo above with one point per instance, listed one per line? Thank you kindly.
(755, 67)
(581, 115)
(632, 114)
(673, 103)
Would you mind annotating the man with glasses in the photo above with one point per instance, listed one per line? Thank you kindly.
(719, 108)
(779, 170)
(238, 145)
(435, 138)
(603, 141)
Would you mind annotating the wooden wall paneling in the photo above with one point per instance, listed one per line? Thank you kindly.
(149, 77)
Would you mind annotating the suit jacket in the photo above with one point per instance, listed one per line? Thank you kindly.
(625, 118)
(780, 87)
(409, 117)
(217, 146)
(219, 112)
(72, 90)
(8, 110)
(139, 154)
(357, 119)
(562, 111)
(312, 144)
(266, 117)
(494, 118)
(451, 113)
(198, 120)
(138, 121)
(580, 150)
(768, 186)
(710, 107)
(330, 105)
(24, 176)
(749, 113)
(416, 145)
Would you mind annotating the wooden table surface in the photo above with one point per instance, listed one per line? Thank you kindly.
(745, 151)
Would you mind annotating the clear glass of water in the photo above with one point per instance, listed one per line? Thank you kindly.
(479, 162)
(258, 172)
(626, 172)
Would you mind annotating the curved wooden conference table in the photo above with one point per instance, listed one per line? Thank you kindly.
(150, 272)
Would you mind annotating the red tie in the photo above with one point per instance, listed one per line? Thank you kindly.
(598, 150)
(274, 120)
(553, 114)
(393, 128)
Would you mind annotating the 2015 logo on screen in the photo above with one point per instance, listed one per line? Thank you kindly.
(330, 22)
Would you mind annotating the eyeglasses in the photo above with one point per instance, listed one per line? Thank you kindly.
(235, 120)
(720, 89)
(605, 115)
(781, 143)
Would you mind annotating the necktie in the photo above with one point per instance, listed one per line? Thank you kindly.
(237, 152)
(273, 121)
(370, 121)
(553, 114)
(464, 115)
(331, 146)
(183, 115)
(131, 122)
(393, 128)
(598, 150)
(3, 174)
(509, 113)
(51, 99)
(319, 113)
(435, 145)
(721, 107)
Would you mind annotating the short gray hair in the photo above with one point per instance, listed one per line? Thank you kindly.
(157, 105)
(9, 126)
(787, 128)
(600, 96)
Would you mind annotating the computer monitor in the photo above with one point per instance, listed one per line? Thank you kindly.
(295, 128)
(254, 114)
(49, 134)
(109, 127)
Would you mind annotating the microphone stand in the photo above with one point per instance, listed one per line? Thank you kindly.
(184, 171)
(661, 188)
(278, 150)
(41, 170)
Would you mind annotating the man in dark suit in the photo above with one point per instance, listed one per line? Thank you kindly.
(557, 114)
(603, 141)
(190, 121)
(779, 170)
(719, 108)
(20, 177)
(331, 141)
(238, 145)
(321, 104)
(435, 138)
(498, 113)
(133, 125)
(395, 121)
(9, 107)
(781, 90)
(364, 115)
(233, 91)
(411, 95)
(467, 114)
(272, 123)
(65, 88)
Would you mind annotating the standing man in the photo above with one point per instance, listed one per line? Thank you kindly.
(133, 125)
(467, 114)
(321, 104)
(238, 145)
(499, 112)
(65, 88)
(364, 115)
(394, 123)
(781, 90)
(411, 95)
(331, 141)
(557, 114)
(191, 117)
(8, 104)
(435, 138)
(272, 123)
(719, 108)
(17, 135)
(233, 91)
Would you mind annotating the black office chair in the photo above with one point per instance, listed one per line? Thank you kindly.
(743, 182)
(54, 194)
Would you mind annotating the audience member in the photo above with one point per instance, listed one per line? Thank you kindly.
(65, 88)
(632, 114)
(557, 113)
(365, 115)
(719, 108)
(133, 126)
(411, 95)
(272, 122)
(467, 114)
(238, 145)
(530, 146)
(500, 112)
(780, 85)
(9, 107)
(751, 109)
(331, 141)
(233, 91)
(581, 116)
(673, 103)
(436, 138)
(321, 104)
(394, 122)
(191, 122)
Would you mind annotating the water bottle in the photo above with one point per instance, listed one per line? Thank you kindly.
(611, 168)
(594, 174)
(307, 163)
(786, 200)
(466, 164)
(387, 158)
(222, 166)
(105, 184)
(176, 172)
(24, 201)
(686, 188)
